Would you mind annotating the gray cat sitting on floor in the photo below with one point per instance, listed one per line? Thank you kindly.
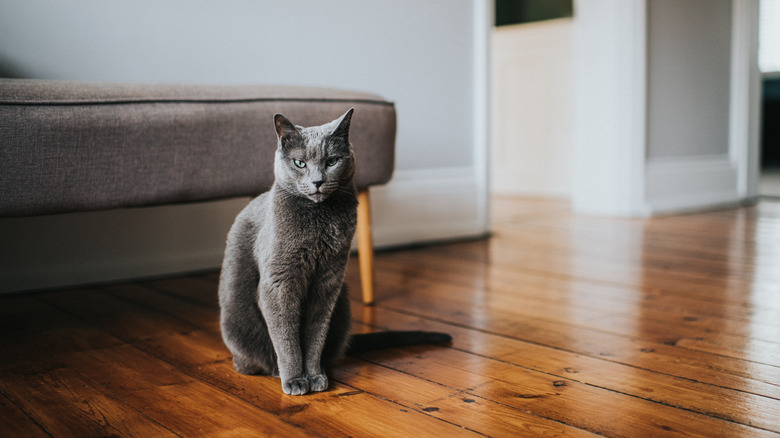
(283, 300)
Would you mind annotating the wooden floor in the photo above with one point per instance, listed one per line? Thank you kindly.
(562, 325)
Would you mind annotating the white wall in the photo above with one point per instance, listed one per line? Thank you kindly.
(428, 57)
(418, 54)
(531, 100)
(689, 59)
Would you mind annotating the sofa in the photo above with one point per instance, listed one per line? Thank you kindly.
(82, 146)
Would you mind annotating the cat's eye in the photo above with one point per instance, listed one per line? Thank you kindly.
(299, 163)
(332, 161)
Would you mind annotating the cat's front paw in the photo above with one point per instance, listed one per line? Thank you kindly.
(296, 386)
(318, 382)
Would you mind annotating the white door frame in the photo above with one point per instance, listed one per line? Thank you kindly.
(745, 116)
(612, 174)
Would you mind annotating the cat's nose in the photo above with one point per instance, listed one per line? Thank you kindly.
(317, 184)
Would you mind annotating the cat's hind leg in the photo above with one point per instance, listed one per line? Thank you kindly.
(242, 325)
(247, 338)
(247, 365)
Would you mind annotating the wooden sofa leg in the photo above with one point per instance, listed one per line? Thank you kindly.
(365, 246)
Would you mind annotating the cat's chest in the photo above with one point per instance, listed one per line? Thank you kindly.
(316, 228)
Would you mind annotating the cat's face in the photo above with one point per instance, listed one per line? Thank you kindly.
(314, 162)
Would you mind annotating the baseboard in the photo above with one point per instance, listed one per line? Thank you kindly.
(691, 183)
(107, 271)
(427, 205)
(85, 248)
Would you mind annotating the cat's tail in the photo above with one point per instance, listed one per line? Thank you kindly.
(376, 341)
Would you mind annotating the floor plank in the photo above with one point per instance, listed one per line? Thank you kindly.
(65, 403)
(12, 417)
(199, 354)
(661, 357)
(710, 400)
(465, 408)
(559, 399)
(563, 325)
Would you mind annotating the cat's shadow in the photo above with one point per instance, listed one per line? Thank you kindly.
(396, 355)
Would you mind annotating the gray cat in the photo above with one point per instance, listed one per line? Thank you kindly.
(284, 304)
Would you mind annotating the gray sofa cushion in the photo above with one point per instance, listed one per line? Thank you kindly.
(74, 146)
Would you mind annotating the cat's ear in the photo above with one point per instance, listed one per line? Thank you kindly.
(342, 128)
(285, 130)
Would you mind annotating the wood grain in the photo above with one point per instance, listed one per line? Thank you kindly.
(563, 325)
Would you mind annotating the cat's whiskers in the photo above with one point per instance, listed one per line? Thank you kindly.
(344, 190)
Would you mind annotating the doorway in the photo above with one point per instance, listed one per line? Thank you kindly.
(531, 98)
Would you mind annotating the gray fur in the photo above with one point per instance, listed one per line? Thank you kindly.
(284, 304)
